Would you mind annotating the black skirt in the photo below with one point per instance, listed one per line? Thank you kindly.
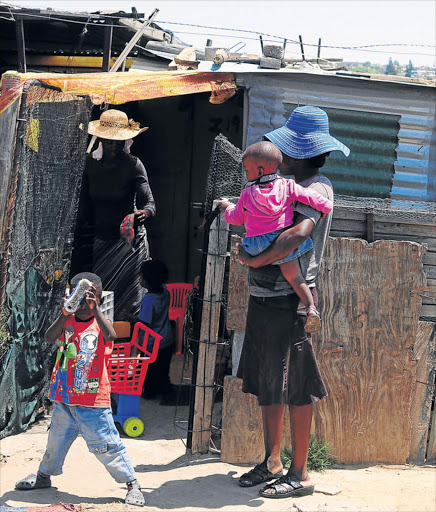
(278, 364)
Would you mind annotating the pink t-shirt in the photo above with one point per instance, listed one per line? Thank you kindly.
(269, 206)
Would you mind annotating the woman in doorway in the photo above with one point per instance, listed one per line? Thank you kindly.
(116, 199)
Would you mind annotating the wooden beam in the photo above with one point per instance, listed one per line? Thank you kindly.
(210, 318)
(370, 227)
(108, 32)
(424, 353)
(242, 429)
(133, 41)
(21, 45)
(122, 59)
(302, 48)
(239, 293)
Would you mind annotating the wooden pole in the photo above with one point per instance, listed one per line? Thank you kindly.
(121, 59)
(108, 33)
(319, 50)
(207, 349)
(370, 227)
(302, 49)
(21, 45)
(133, 41)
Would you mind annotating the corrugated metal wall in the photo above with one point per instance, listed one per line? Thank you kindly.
(372, 139)
(415, 168)
(390, 128)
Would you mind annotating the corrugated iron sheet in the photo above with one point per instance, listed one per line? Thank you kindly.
(389, 127)
(372, 139)
(415, 168)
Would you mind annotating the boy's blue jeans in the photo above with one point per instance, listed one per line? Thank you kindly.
(97, 427)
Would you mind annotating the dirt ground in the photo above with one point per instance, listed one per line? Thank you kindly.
(172, 481)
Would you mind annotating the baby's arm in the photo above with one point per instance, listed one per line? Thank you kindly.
(309, 196)
(233, 213)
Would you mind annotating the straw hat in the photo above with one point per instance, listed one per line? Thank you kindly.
(306, 134)
(114, 125)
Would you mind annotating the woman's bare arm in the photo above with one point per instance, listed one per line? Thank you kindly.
(288, 241)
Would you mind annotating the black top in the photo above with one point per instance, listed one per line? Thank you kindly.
(111, 190)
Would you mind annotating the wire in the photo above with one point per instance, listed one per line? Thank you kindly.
(281, 38)
(362, 48)
(351, 48)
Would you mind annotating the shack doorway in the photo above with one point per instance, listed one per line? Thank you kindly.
(175, 151)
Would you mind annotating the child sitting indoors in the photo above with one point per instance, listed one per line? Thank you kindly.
(80, 390)
(154, 313)
(265, 207)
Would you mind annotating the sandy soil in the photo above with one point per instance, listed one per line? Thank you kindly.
(175, 482)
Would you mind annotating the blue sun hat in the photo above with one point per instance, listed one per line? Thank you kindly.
(306, 134)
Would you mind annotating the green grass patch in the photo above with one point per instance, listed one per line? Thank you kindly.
(319, 457)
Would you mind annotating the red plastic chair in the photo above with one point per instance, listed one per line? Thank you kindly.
(178, 292)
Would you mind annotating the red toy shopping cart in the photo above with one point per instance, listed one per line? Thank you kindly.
(127, 374)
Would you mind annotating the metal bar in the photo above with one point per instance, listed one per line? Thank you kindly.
(108, 33)
(319, 50)
(21, 45)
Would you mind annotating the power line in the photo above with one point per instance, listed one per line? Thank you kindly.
(282, 38)
(361, 48)
(315, 45)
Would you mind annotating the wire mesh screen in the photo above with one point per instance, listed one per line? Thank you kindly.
(406, 211)
(49, 164)
(226, 176)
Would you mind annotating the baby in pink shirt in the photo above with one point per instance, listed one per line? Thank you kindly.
(266, 208)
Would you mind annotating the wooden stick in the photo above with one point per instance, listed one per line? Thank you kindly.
(121, 59)
(302, 49)
(204, 391)
(108, 32)
(21, 45)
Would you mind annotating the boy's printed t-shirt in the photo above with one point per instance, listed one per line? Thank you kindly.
(80, 372)
(154, 312)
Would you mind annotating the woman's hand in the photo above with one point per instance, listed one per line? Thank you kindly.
(244, 257)
(141, 215)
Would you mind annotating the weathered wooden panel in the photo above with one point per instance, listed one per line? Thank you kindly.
(369, 299)
(419, 227)
(242, 430)
(207, 349)
(238, 291)
(431, 449)
(424, 353)
(369, 302)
